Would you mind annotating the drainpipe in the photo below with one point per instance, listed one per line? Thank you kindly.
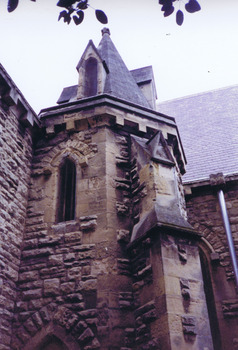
(219, 181)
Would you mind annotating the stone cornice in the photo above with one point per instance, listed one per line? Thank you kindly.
(109, 100)
(13, 98)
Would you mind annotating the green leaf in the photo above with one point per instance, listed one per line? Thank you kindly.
(62, 14)
(192, 6)
(101, 16)
(168, 11)
(65, 3)
(12, 5)
(78, 19)
(179, 17)
(83, 4)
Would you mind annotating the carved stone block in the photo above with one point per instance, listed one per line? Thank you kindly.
(182, 253)
(123, 236)
(88, 223)
(189, 325)
(230, 308)
(185, 289)
(122, 208)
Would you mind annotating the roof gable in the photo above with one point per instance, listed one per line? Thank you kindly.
(90, 49)
(155, 149)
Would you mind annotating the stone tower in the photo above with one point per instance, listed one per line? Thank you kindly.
(108, 260)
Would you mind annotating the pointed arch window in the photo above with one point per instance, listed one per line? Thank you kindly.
(67, 187)
(91, 73)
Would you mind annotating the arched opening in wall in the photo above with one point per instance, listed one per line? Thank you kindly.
(91, 73)
(67, 188)
(51, 342)
(210, 300)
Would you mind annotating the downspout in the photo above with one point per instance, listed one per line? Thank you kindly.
(218, 181)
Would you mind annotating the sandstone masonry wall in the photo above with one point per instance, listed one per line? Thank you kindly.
(205, 216)
(74, 275)
(15, 168)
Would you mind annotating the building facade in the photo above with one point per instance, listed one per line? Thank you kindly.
(96, 249)
(208, 126)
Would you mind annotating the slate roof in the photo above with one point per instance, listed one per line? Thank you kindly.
(119, 82)
(142, 75)
(208, 126)
(68, 93)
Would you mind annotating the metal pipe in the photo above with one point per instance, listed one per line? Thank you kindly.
(227, 227)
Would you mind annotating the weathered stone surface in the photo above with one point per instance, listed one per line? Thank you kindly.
(90, 313)
(123, 236)
(30, 327)
(86, 336)
(189, 325)
(122, 208)
(32, 294)
(23, 335)
(182, 253)
(51, 287)
(68, 287)
(28, 276)
(79, 328)
(149, 316)
(37, 320)
(89, 285)
(72, 237)
(44, 315)
(36, 253)
(94, 345)
(145, 308)
(230, 308)
(73, 298)
(90, 225)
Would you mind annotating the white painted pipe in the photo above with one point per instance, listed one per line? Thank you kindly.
(230, 241)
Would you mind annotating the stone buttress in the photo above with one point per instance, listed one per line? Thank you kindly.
(109, 260)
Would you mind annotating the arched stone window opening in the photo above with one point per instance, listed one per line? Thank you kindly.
(51, 342)
(91, 73)
(210, 300)
(67, 187)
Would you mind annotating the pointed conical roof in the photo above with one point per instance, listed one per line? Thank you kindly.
(119, 81)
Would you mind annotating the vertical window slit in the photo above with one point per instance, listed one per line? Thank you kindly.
(67, 183)
(91, 72)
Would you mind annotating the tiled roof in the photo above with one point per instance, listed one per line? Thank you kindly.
(208, 126)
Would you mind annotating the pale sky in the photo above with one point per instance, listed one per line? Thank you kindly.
(41, 54)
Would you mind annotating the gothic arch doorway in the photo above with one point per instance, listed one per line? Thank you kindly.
(51, 342)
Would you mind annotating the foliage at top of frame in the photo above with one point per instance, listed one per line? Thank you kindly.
(74, 9)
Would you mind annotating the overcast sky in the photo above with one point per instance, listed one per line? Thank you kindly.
(41, 54)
